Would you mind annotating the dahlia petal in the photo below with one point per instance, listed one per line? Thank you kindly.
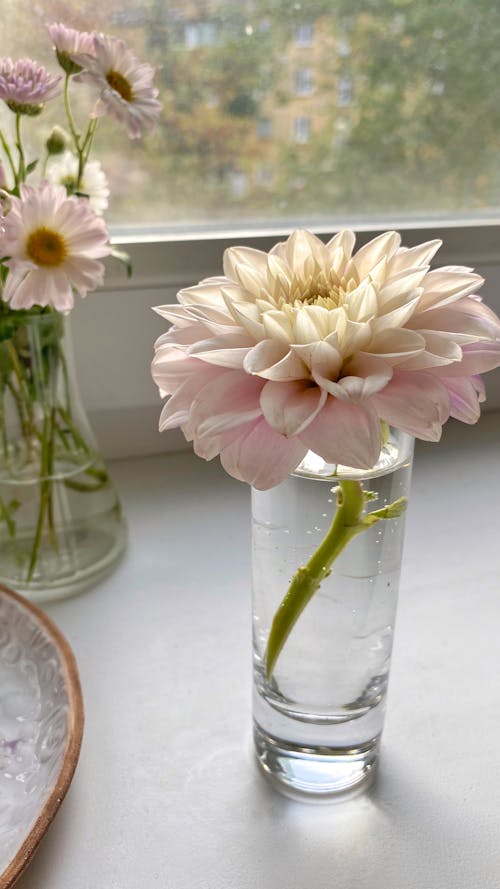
(311, 324)
(354, 336)
(417, 403)
(234, 257)
(208, 293)
(363, 303)
(233, 392)
(447, 285)
(345, 433)
(464, 399)
(368, 256)
(264, 355)
(262, 457)
(373, 373)
(176, 411)
(290, 407)
(395, 346)
(227, 350)
(343, 240)
(325, 362)
(170, 368)
(250, 280)
(467, 317)
(300, 247)
(248, 316)
(477, 358)
(411, 257)
(277, 326)
(397, 318)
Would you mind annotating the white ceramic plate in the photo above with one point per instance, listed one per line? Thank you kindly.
(41, 724)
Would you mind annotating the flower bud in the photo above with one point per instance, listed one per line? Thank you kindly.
(57, 141)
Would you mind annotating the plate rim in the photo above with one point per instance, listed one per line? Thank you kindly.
(75, 723)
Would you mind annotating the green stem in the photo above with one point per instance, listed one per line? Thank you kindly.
(21, 176)
(46, 468)
(69, 115)
(5, 515)
(83, 155)
(6, 148)
(348, 522)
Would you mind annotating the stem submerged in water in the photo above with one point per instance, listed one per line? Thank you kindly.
(348, 522)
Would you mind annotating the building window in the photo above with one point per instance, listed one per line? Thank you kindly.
(301, 129)
(343, 47)
(264, 128)
(304, 82)
(304, 34)
(199, 34)
(344, 91)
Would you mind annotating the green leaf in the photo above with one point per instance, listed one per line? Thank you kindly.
(31, 167)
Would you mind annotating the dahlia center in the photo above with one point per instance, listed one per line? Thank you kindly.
(120, 84)
(46, 247)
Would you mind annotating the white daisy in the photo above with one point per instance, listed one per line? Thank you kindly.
(54, 243)
(125, 84)
(94, 184)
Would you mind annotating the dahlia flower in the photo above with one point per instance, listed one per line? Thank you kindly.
(312, 346)
(67, 43)
(94, 185)
(125, 84)
(53, 243)
(25, 85)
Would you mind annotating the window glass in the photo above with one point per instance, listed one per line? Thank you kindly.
(292, 112)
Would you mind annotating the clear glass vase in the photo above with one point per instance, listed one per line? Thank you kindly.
(319, 716)
(61, 524)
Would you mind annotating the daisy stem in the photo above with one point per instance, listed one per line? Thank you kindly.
(6, 148)
(69, 116)
(347, 523)
(21, 176)
(45, 505)
(83, 155)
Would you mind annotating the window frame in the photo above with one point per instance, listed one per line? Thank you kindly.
(164, 258)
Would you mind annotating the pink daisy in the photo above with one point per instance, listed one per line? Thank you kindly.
(53, 243)
(125, 84)
(69, 42)
(25, 85)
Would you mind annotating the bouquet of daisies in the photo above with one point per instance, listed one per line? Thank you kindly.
(52, 243)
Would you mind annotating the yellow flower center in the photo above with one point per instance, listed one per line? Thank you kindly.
(322, 292)
(46, 247)
(120, 84)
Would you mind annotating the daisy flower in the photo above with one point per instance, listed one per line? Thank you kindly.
(125, 84)
(25, 85)
(94, 185)
(54, 243)
(67, 43)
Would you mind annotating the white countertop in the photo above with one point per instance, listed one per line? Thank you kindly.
(166, 792)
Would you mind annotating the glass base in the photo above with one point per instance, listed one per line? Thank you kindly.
(316, 773)
(90, 554)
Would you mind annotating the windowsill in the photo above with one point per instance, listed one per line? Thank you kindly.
(166, 782)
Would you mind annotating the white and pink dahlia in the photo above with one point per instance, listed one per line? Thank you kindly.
(25, 85)
(53, 243)
(125, 85)
(310, 347)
